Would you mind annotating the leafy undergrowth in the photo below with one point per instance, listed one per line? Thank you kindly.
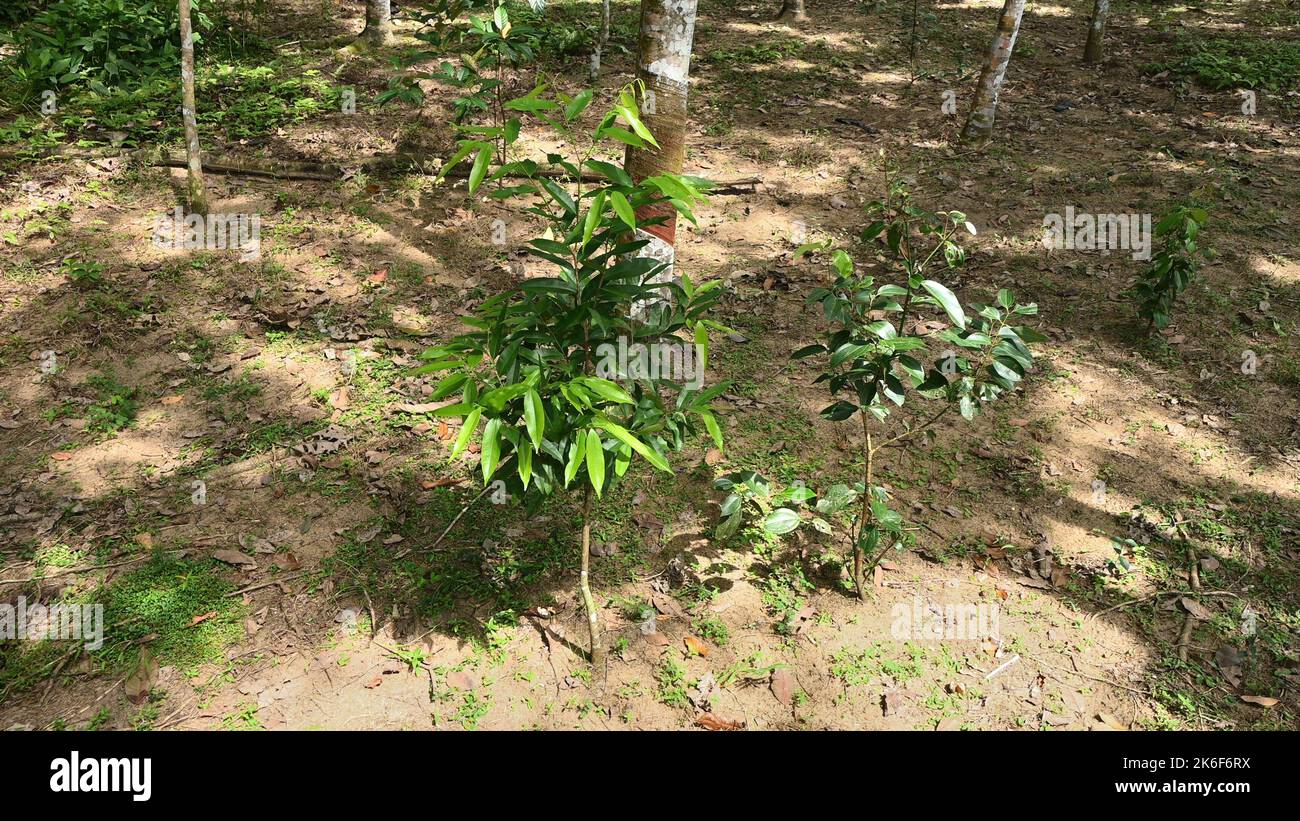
(178, 608)
(283, 388)
(1236, 61)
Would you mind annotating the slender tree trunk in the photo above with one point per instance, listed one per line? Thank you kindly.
(1096, 31)
(597, 647)
(792, 11)
(667, 31)
(604, 38)
(979, 126)
(198, 195)
(379, 23)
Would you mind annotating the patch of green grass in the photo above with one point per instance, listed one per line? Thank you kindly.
(472, 709)
(1236, 61)
(115, 407)
(712, 629)
(783, 590)
(860, 667)
(163, 597)
(671, 676)
(243, 718)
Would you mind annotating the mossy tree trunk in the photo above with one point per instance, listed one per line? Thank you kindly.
(1096, 31)
(792, 11)
(379, 23)
(979, 125)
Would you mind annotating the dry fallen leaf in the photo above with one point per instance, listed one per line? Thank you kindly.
(711, 722)
(782, 685)
(461, 680)
(1261, 701)
(203, 618)
(667, 605)
(1197, 609)
(233, 557)
(1111, 722)
(142, 677)
(696, 646)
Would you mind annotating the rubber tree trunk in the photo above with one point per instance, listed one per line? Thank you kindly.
(979, 126)
(664, 64)
(379, 23)
(792, 11)
(198, 195)
(604, 38)
(1096, 31)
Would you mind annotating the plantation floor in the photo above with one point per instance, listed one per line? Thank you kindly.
(175, 368)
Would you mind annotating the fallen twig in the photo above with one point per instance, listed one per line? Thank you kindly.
(68, 571)
(1013, 660)
(249, 589)
(1131, 602)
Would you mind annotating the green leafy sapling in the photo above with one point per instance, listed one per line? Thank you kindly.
(874, 360)
(1172, 267)
(533, 370)
(750, 493)
(496, 46)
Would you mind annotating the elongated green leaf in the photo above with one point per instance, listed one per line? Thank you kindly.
(480, 168)
(781, 521)
(948, 301)
(491, 452)
(621, 433)
(711, 425)
(623, 208)
(534, 417)
(466, 431)
(595, 461)
(702, 346)
(593, 216)
(525, 463)
(577, 449)
(605, 389)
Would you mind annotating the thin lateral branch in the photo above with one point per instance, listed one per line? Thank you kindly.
(433, 547)
(913, 431)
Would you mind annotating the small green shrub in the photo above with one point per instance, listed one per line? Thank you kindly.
(1172, 267)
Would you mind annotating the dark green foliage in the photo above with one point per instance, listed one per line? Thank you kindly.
(1236, 61)
(1172, 267)
(873, 362)
(528, 369)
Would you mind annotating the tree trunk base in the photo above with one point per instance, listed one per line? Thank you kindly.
(369, 39)
(976, 137)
